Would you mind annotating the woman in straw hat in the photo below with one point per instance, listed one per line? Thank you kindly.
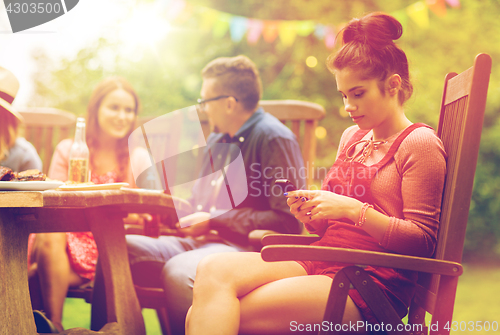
(15, 152)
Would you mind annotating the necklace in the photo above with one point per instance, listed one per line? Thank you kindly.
(368, 147)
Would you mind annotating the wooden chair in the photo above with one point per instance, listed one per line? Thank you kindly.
(460, 126)
(45, 128)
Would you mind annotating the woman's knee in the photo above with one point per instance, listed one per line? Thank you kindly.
(213, 268)
(215, 272)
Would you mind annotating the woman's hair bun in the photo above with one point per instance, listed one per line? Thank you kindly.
(376, 29)
(368, 45)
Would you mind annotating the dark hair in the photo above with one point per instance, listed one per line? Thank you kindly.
(236, 76)
(102, 89)
(368, 45)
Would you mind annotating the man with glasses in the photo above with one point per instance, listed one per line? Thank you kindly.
(230, 94)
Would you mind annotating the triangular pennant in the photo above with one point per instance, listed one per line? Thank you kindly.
(438, 7)
(237, 28)
(270, 31)
(330, 37)
(453, 3)
(304, 28)
(419, 13)
(287, 32)
(208, 18)
(320, 31)
(221, 25)
(255, 28)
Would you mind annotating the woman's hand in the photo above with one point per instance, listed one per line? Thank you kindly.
(311, 206)
(195, 224)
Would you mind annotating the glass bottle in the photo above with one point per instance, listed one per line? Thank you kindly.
(78, 171)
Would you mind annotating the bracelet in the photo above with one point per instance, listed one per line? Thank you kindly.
(362, 213)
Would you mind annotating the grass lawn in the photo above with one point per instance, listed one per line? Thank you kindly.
(77, 314)
(477, 300)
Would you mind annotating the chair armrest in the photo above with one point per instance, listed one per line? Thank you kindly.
(272, 253)
(289, 239)
(260, 237)
(255, 237)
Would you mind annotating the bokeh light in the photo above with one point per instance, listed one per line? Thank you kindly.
(311, 61)
(320, 132)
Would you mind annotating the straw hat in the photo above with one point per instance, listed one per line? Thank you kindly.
(9, 85)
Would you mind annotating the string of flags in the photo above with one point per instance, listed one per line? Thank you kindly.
(286, 31)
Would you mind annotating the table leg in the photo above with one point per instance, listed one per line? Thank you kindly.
(16, 315)
(122, 303)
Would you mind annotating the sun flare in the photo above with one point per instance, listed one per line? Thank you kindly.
(144, 27)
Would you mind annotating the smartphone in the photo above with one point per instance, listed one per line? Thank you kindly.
(286, 185)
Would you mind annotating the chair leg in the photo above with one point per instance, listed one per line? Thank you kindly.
(443, 310)
(375, 299)
(416, 317)
(99, 315)
(336, 302)
(164, 323)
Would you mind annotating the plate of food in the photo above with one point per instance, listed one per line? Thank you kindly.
(29, 180)
(92, 187)
(30, 185)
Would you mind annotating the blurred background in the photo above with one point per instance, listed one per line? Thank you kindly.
(160, 46)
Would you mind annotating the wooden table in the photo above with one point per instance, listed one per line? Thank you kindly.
(100, 212)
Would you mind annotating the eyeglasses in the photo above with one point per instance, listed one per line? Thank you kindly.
(201, 102)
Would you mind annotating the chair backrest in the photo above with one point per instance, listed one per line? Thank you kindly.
(302, 117)
(45, 127)
(161, 136)
(460, 126)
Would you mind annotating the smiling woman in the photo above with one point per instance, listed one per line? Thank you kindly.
(61, 260)
(116, 115)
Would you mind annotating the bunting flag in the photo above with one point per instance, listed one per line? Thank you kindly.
(255, 28)
(304, 28)
(270, 31)
(238, 28)
(438, 7)
(221, 23)
(287, 32)
(453, 3)
(419, 13)
(329, 37)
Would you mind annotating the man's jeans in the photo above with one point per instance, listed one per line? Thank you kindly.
(170, 262)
